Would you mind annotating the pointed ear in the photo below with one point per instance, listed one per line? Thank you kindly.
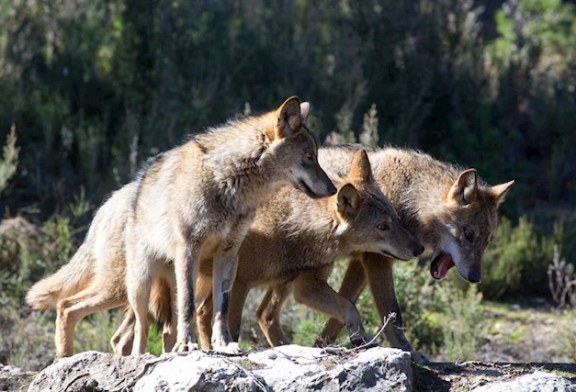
(289, 118)
(348, 200)
(360, 169)
(499, 191)
(465, 188)
(305, 110)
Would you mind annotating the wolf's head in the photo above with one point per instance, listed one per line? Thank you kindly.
(367, 219)
(296, 152)
(466, 222)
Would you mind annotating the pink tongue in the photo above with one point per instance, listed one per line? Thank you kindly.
(443, 264)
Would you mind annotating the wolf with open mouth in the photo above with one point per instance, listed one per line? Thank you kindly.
(450, 210)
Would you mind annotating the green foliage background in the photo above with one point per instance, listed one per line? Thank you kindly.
(96, 87)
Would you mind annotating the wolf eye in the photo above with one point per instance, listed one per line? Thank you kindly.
(468, 234)
(308, 155)
(383, 227)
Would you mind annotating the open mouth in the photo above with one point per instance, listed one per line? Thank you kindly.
(441, 265)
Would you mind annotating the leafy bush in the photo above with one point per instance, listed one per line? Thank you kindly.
(516, 261)
(440, 318)
(511, 250)
(9, 160)
(462, 322)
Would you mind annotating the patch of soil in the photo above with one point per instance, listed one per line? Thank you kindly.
(14, 379)
(444, 376)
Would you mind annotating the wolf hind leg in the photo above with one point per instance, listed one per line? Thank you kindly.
(72, 309)
(123, 338)
(268, 314)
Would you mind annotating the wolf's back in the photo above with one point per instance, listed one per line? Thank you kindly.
(69, 279)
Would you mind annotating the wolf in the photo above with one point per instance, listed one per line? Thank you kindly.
(190, 204)
(293, 242)
(195, 204)
(450, 210)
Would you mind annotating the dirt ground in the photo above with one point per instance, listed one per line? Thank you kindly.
(444, 376)
(520, 338)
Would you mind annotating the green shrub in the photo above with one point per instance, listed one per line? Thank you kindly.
(439, 316)
(505, 258)
(516, 261)
(462, 322)
(9, 161)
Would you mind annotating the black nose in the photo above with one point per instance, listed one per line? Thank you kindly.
(473, 277)
(331, 189)
(418, 250)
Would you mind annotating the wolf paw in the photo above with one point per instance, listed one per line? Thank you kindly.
(419, 358)
(362, 340)
(229, 349)
(182, 347)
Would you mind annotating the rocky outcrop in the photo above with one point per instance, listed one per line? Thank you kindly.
(291, 368)
(13, 378)
(537, 381)
(286, 368)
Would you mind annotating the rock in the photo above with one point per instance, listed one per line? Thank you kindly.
(286, 368)
(535, 382)
(13, 378)
(91, 371)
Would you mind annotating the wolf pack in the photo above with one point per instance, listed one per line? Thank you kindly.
(255, 203)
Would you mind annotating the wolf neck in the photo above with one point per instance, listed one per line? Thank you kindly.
(235, 157)
(418, 186)
(315, 223)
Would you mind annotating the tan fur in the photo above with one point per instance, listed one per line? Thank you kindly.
(195, 187)
(92, 280)
(294, 241)
(195, 204)
(436, 201)
(95, 278)
(451, 212)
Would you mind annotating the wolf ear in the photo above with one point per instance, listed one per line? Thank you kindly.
(348, 200)
(289, 118)
(465, 188)
(304, 110)
(500, 191)
(360, 168)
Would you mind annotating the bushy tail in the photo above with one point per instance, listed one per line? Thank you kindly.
(68, 280)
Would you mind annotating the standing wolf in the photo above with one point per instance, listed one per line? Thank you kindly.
(195, 204)
(449, 210)
(192, 203)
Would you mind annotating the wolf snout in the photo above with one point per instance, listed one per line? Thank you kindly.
(330, 189)
(418, 250)
(473, 276)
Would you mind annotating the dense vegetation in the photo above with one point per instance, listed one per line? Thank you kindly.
(93, 88)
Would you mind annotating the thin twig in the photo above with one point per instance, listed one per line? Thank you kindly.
(385, 322)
